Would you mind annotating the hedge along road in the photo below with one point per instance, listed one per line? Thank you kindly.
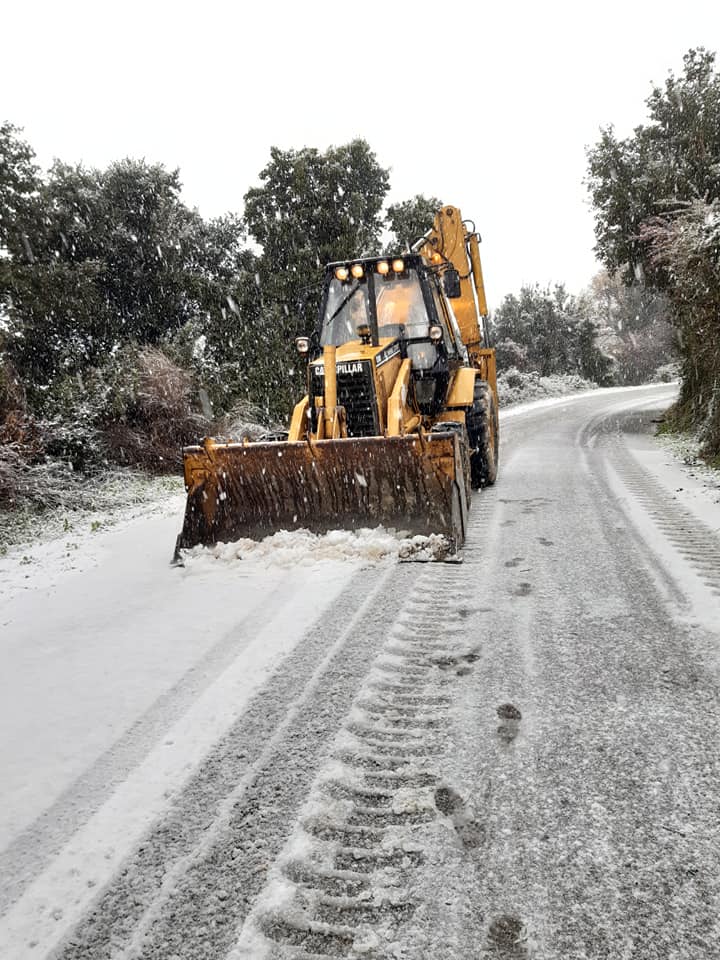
(509, 758)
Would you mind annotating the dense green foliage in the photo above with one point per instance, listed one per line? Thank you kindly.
(687, 250)
(95, 259)
(410, 220)
(667, 163)
(106, 257)
(316, 207)
(655, 196)
(19, 184)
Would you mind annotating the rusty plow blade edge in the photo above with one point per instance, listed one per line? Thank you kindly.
(253, 490)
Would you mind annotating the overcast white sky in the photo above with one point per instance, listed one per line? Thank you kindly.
(488, 106)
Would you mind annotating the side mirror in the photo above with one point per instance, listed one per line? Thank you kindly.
(451, 283)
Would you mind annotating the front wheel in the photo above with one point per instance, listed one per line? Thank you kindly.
(482, 426)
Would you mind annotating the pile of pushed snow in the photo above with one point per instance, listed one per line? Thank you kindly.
(288, 548)
(516, 387)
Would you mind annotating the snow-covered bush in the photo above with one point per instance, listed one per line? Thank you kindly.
(50, 483)
(138, 408)
(18, 428)
(667, 373)
(517, 387)
(154, 411)
(14, 470)
(70, 427)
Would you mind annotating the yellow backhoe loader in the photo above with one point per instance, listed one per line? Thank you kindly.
(400, 417)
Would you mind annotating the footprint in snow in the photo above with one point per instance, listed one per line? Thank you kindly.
(509, 725)
(507, 938)
(450, 804)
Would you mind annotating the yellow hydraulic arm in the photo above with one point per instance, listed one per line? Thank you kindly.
(450, 242)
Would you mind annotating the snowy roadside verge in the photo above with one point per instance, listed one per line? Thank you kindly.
(682, 450)
(52, 545)
(673, 460)
(516, 387)
(675, 510)
(116, 496)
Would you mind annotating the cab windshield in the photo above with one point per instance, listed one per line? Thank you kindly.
(399, 304)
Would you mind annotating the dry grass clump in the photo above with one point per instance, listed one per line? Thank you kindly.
(159, 418)
(247, 420)
(48, 484)
(13, 475)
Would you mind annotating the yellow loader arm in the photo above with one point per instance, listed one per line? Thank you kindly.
(450, 241)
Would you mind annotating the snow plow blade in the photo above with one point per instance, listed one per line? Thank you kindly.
(409, 483)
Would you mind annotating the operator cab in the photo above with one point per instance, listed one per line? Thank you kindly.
(402, 299)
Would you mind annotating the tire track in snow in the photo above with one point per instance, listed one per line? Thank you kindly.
(356, 837)
(200, 867)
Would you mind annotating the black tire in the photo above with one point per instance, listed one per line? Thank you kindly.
(482, 427)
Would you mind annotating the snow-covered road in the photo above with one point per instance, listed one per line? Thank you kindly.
(332, 754)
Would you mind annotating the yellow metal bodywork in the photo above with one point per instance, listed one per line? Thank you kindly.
(462, 385)
(299, 419)
(401, 417)
(453, 244)
(386, 380)
(415, 483)
(485, 360)
(414, 475)
(479, 283)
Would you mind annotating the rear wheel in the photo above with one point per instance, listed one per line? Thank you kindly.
(482, 427)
